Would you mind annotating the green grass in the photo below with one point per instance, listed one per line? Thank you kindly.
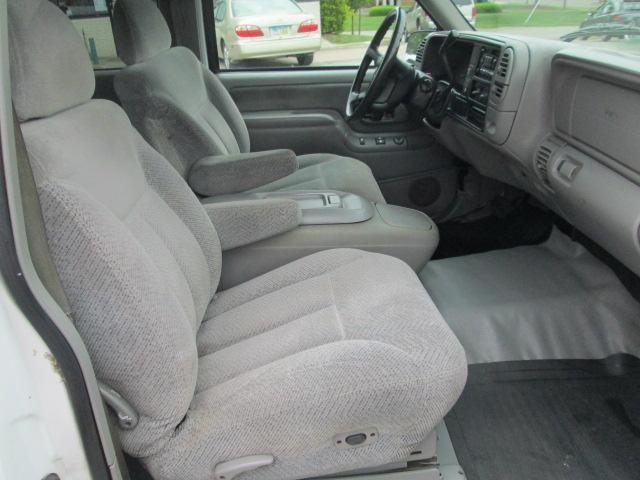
(367, 24)
(347, 38)
(514, 15)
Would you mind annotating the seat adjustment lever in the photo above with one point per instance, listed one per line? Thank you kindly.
(233, 468)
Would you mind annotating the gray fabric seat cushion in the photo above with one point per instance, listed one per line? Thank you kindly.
(339, 341)
(185, 112)
(335, 342)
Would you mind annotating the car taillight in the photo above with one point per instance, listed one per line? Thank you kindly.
(308, 26)
(616, 18)
(474, 12)
(248, 31)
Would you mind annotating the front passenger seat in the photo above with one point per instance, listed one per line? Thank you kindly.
(337, 343)
(184, 111)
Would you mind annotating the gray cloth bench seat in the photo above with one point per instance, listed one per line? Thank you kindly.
(336, 342)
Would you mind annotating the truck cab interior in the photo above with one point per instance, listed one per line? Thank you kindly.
(412, 267)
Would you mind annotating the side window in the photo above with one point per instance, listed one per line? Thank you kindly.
(220, 10)
(303, 33)
(605, 9)
(91, 19)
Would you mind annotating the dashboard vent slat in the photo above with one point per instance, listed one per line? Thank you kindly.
(420, 51)
(545, 153)
(498, 92)
(503, 70)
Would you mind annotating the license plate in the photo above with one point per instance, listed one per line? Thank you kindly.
(280, 30)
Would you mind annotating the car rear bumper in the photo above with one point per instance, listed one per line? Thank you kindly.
(265, 48)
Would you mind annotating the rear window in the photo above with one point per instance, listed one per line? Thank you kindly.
(92, 21)
(248, 8)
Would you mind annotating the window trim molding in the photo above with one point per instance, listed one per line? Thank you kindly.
(211, 41)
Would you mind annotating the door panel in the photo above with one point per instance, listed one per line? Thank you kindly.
(303, 110)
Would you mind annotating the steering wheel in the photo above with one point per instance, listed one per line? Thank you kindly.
(360, 100)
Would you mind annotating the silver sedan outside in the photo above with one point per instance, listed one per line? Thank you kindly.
(248, 29)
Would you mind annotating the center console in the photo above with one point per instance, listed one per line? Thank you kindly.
(329, 219)
(317, 207)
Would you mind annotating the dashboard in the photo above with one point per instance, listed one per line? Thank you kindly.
(484, 92)
(557, 120)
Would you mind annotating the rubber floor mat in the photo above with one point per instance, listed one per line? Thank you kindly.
(548, 420)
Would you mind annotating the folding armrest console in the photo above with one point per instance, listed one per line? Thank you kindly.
(243, 222)
(226, 174)
(261, 231)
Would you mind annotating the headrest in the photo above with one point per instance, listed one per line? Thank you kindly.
(140, 30)
(50, 67)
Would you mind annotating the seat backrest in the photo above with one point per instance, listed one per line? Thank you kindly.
(178, 105)
(135, 251)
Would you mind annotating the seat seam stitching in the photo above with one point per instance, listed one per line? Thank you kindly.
(343, 334)
(247, 337)
(338, 267)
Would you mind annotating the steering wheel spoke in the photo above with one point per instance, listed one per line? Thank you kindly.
(357, 96)
(360, 99)
(375, 55)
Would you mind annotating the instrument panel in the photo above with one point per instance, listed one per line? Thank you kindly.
(477, 73)
(469, 100)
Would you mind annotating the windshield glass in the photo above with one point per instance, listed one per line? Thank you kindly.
(248, 8)
(610, 24)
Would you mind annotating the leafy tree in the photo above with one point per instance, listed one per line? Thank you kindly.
(355, 5)
(333, 14)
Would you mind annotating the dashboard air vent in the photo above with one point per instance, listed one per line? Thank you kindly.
(420, 51)
(543, 157)
(542, 163)
(503, 70)
(498, 92)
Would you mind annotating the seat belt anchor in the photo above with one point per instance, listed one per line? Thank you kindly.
(127, 416)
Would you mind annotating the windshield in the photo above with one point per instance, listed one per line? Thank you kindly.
(610, 24)
(248, 8)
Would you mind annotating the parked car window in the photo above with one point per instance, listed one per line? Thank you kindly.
(303, 33)
(606, 8)
(246, 8)
(91, 19)
(611, 24)
(219, 10)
